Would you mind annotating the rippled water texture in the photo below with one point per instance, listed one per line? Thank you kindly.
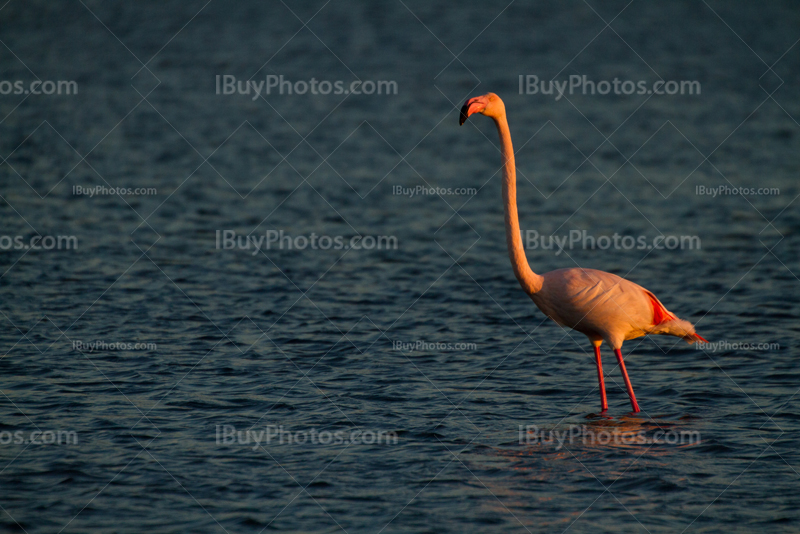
(308, 339)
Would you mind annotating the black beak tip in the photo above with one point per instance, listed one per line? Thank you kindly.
(463, 118)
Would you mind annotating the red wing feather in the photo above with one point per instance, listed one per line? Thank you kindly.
(660, 313)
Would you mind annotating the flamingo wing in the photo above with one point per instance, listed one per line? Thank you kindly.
(606, 306)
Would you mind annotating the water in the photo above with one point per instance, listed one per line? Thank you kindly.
(304, 338)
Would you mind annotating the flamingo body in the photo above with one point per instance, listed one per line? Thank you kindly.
(606, 307)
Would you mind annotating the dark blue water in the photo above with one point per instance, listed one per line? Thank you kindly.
(317, 340)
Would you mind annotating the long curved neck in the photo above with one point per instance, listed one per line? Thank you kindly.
(530, 281)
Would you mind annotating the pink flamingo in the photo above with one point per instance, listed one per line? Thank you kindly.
(601, 305)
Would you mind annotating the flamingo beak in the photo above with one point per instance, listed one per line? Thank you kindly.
(473, 105)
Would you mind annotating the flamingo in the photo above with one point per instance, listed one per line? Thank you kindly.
(601, 305)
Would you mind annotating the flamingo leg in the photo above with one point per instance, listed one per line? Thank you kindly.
(600, 379)
(628, 385)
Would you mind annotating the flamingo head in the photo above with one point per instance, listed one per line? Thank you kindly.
(489, 104)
